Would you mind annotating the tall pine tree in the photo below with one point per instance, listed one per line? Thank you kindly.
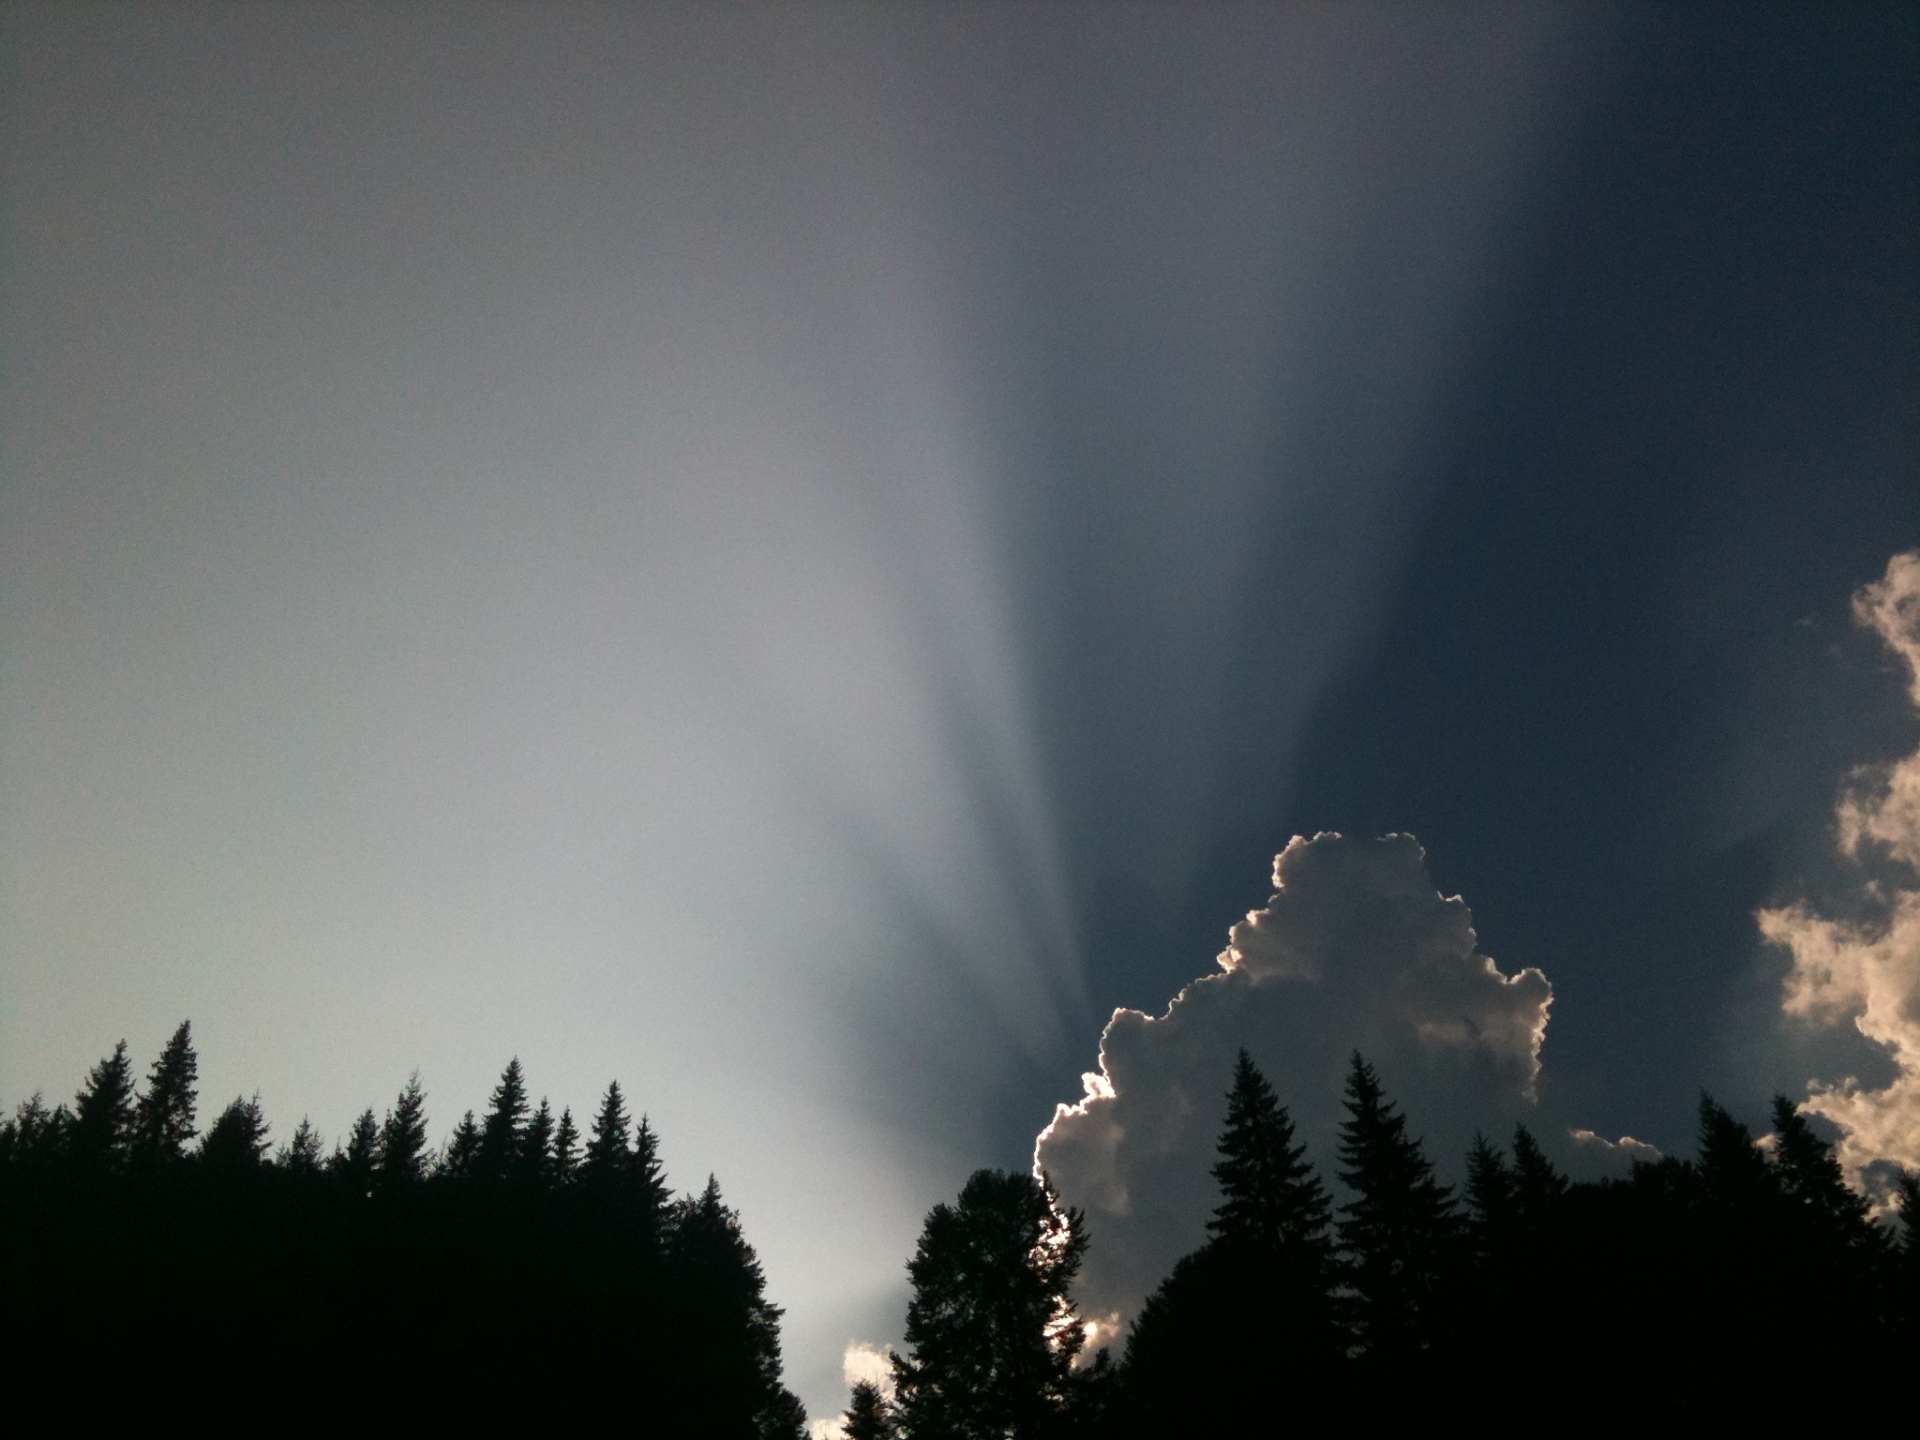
(566, 1148)
(163, 1116)
(1265, 1276)
(503, 1129)
(403, 1139)
(103, 1112)
(1397, 1234)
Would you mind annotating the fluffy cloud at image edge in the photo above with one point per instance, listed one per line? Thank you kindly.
(1867, 971)
(1355, 950)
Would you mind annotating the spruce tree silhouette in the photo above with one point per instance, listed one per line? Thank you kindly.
(566, 1148)
(357, 1165)
(725, 1346)
(236, 1142)
(163, 1116)
(534, 1165)
(504, 1126)
(1538, 1187)
(868, 1417)
(1265, 1277)
(33, 1135)
(1398, 1235)
(403, 1139)
(991, 1331)
(1809, 1172)
(463, 1147)
(103, 1113)
(608, 1152)
(301, 1156)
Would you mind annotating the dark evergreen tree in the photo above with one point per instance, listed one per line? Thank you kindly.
(566, 1148)
(1493, 1200)
(726, 1340)
(463, 1148)
(1271, 1202)
(1399, 1232)
(991, 1331)
(358, 1165)
(35, 1134)
(535, 1163)
(237, 1140)
(646, 1178)
(1265, 1276)
(403, 1139)
(1538, 1187)
(103, 1112)
(163, 1117)
(869, 1417)
(1734, 1171)
(301, 1155)
(1809, 1173)
(608, 1150)
(503, 1129)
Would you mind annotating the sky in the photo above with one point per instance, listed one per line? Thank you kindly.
(802, 556)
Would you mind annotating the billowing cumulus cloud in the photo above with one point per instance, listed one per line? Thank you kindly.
(1866, 970)
(1355, 950)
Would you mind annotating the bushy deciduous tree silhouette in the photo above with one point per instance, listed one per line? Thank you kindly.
(991, 1331)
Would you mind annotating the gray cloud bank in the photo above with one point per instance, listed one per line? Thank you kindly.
(1865, 970)
(1355, 950)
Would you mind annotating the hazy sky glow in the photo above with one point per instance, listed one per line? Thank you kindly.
(798, 556)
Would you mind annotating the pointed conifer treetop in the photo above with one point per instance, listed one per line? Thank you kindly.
(462, 1146)
(359, 1162)
(1733, 1167)
(103, 1110)
(1271, 1199)
(237, 1140)
(1493, 1191)
(1399, 1229)
(403, 1138)
(504, 1126)
(302, 1153)
(1810, 1174)
(869, 1417)
(534, 1165)
(646, 1176)
(163, 1117)
(566, 1148)
(607, 1150)
(1538, 1187)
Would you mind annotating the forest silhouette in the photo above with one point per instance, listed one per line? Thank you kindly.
(533, 1273)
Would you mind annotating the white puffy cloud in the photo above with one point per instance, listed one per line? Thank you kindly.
(862, 1361)
(1625, 1149)
(1867, 971)
(1355, 950)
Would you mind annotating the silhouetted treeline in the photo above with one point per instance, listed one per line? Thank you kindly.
(540, 1272)
(529, 1272)
(1751, 1278)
